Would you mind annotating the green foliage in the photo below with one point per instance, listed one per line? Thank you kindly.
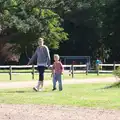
(29, 20)
(111, 28)
(92, 25)
(117, 72)
(84, 22)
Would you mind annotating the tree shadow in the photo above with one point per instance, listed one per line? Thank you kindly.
(114, 85)
(20, 91)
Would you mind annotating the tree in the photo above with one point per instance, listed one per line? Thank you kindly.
(83, 23)
(111, 28)
(28, 20)
(86, 23)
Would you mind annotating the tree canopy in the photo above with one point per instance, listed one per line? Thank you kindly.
(92, 26)
(27, 20)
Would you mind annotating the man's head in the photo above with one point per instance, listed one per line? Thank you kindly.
(41, 42)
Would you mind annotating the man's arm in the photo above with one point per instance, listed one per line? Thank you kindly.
(48, 56)
(34, 57)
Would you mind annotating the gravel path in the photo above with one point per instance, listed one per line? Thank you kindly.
(38, 112)
(23, 84)
(45, 112)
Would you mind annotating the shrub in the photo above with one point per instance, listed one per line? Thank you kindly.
(117, 72)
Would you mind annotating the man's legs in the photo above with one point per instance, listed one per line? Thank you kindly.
(41, 70)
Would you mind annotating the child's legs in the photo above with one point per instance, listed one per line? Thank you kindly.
(54, 81)
(59, 81)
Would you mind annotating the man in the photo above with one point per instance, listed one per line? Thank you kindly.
(98, 62)
(43, 61)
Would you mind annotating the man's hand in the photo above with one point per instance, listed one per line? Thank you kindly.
(49, 66)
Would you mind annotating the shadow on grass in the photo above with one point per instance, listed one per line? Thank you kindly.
(16, 91)
(25, 91)
(114, 85)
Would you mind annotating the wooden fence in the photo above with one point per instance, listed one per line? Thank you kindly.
(71, 69)
(10, 69)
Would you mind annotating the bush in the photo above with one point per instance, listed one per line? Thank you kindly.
(117, 72)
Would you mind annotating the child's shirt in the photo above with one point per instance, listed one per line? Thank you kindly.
(57, 67)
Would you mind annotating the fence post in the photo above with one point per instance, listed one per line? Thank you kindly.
(70, 71)
(10, 73)
(86, 68)
(114, 66)
(97, 69)
(72, 67)
(33, 72)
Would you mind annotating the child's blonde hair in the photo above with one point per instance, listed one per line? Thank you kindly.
(57, 56)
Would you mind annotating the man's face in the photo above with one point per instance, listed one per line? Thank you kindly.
(40, 42)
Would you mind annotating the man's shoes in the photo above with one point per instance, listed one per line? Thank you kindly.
(53, 89)
(35, 89)
(41, 89)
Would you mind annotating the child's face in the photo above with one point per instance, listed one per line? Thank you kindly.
(55, 58)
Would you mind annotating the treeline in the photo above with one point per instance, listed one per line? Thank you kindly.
(93, 27)
(69, 27)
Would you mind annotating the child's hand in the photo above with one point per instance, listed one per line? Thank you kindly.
(51, 74)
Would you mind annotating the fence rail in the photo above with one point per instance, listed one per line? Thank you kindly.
(33, 71)
(106, 65)
(71, 69)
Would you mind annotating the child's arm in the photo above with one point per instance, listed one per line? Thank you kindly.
(53, 67)
(52, 71)
(62, 68)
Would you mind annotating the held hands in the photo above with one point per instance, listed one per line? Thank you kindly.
(49, 67)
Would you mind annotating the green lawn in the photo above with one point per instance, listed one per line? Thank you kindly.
(86, 95)
(4, 77)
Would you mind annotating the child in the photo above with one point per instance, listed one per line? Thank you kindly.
(57, 71)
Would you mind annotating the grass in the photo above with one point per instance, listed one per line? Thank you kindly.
(4, 77)
(85, 95)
